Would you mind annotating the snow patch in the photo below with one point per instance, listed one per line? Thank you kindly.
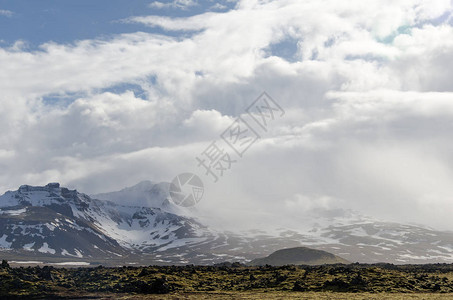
(46, 249)
(28, 247)
(73, 263)
(4, 243)
(16, 212)
(78, 253)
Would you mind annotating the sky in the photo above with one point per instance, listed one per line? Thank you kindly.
(100, 95)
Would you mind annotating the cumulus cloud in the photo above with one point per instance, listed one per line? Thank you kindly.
(367, 97)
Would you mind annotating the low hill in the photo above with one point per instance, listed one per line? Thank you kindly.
(298, 256)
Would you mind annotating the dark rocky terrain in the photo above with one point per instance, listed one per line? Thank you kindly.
(50, 282)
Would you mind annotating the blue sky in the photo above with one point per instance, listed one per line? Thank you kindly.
(38, 22)
(98, 95)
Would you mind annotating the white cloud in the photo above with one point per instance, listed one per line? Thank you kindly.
(218, 6)
(179, 4)
(207, 124)
(368, 107)
(6, 13)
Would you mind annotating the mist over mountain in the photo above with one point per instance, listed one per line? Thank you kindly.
(181, 147)
(53, 221)
(101, 99)
(146, 194)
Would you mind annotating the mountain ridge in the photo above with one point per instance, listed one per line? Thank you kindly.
(41, 218)
(53, 221)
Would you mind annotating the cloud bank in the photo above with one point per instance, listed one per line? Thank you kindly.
(366, 87)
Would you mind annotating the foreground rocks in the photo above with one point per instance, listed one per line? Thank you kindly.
(38, 282)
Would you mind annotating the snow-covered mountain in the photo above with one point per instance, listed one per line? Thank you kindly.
(146, 194)
(54, 221)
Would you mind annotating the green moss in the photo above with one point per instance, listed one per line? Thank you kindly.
(355, 278)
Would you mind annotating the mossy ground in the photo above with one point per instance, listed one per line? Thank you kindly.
(355, 281)
(293, 295)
